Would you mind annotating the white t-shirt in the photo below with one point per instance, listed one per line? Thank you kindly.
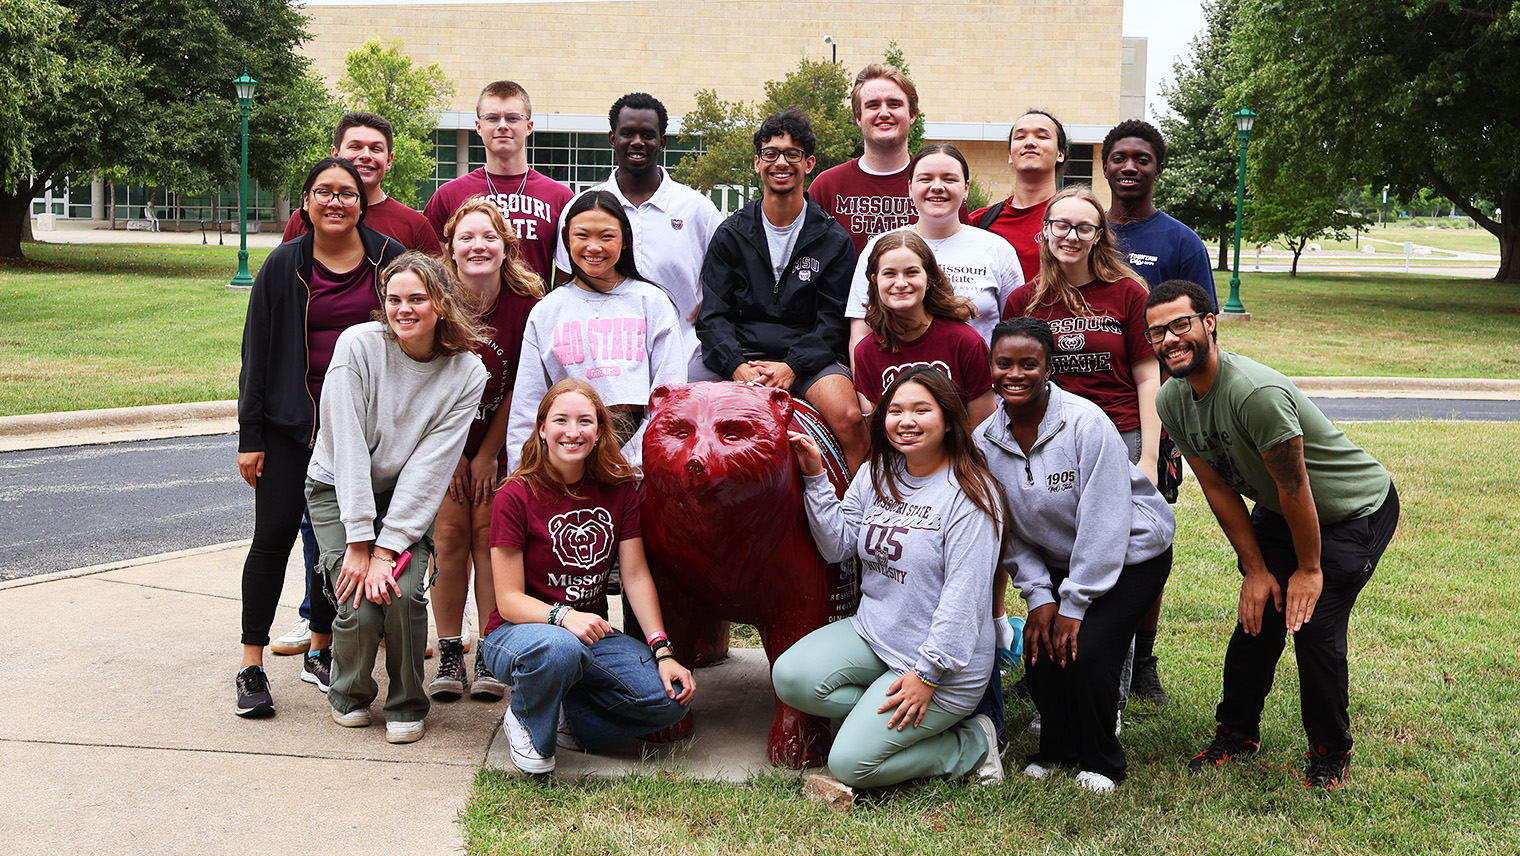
(982, 266)
(671, 231)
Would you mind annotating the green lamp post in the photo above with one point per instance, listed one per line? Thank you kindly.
(1244, 120)
(244, 86)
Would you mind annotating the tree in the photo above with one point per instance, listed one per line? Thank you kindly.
(144, 91)
(1293, 206)
(1203, 156)
(381, 79)
(1408, 93)
(818, 88)
(895, 58)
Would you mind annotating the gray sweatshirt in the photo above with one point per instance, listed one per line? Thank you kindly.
(1075, 502)
(926, 576)
(625, 343)
(392, 423)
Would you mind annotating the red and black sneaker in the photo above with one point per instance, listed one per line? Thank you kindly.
(1226, 747)
(1326, 770)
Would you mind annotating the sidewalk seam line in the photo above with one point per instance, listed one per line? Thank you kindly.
(410, 761)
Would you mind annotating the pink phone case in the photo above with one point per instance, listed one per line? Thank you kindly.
(401, 562)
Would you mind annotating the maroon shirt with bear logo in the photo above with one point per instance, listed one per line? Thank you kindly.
(567, 543)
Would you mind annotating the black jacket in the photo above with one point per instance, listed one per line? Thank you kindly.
(272, 385)
(799, 321)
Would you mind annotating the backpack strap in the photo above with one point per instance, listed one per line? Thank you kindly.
(989, 215)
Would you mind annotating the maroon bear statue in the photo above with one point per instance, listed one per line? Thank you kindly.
(727, 535)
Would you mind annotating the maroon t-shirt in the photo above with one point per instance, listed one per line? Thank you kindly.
(338, 301)
(530, 203)
(1021, 228)
(567, 544)
(953, 347)
(507, 321)
(389, 218)
(1095, 354)
(866, 204)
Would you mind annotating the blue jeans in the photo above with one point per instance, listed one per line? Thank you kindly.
(611, 690)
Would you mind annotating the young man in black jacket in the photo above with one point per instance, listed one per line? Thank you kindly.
(774, 285)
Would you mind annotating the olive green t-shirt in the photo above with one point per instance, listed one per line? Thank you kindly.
(1251, 408)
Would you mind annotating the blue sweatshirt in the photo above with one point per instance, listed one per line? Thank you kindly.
(1075, 502)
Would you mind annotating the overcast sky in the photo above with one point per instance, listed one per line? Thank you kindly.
(1169, 25)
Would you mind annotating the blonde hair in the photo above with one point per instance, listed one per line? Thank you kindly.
(606, 464)
(457, 331)
(882, 71)
(515, 273)
(1104, 260)
(504, 89)
(940, 299)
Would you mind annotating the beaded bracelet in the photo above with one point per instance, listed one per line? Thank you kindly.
(557, 615)
(933, 685)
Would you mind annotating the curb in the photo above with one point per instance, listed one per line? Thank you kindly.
(1409, 387)
(91, 570)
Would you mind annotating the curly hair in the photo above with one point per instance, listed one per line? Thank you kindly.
(457, 330)
(1141, 130)
(940, 299)
(1104, 261)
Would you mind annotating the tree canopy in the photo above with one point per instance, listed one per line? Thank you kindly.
(1408, 93)
(142, 90)
(381, 79)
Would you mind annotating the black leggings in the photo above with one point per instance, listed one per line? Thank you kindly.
(279, 500)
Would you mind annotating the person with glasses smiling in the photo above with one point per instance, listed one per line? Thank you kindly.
(307, 292)
(1095, 305)
(774, 285)
(529, 200)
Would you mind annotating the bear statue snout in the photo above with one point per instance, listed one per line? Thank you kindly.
(695, 466)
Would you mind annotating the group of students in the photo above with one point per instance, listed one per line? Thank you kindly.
(993, 387)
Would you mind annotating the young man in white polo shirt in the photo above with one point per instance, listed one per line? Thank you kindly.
(672, 224)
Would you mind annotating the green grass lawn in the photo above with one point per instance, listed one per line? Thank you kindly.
(84, 326)
(1460, 240)
(113, 325)
(1434, 690)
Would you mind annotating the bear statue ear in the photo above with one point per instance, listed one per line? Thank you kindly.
(781, 400)
(659, 394)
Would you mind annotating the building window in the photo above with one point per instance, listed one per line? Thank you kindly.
(1079, 165)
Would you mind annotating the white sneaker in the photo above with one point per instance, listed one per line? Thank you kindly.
(991, 770)
(295, 641)
(520, 746)
(564, 737)
(353, 719)
(1037, 771)
(404, 732)
(1095, 782)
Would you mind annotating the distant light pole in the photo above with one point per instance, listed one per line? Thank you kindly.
(244, 86)
(1244, 120)
(829, 40)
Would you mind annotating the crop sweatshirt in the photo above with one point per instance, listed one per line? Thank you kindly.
(390, 423)
(926, 576)
(1075, 503)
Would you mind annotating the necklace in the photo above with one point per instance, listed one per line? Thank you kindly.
(936, 243)
(491, 184)
(596, 311)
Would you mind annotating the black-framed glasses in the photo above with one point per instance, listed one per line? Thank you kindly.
(1177, 326)
(1061, 228)
(498, 118)
(346, 198)
(770, 154)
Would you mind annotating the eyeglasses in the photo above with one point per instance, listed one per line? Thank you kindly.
(346, 198)
(1061, 228)
(498, 118)
(1177, 326)
(771, 153)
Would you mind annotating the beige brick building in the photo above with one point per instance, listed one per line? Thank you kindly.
(977, 64)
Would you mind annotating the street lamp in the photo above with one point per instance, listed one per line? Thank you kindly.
(244, 86)
(1244, 120)
(829, 40)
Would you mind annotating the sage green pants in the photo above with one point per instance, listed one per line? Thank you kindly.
(357, 632)
(832, 672)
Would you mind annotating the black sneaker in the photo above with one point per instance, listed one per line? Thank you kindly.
(448, 684)
(1324, 770)
(316, 668)
(1226, 747)
(1146, 684)
(253, 698)
(484, 686)
(1019, 690)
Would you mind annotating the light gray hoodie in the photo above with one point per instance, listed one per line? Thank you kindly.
(1075, 502)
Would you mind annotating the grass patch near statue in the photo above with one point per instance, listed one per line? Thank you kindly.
(85, 326)
(1434, 687)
